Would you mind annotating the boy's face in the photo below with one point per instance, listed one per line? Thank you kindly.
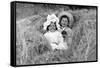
(64, 22)
(52, 27)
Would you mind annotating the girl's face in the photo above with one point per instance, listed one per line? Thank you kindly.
(52, 27)
(64, 22)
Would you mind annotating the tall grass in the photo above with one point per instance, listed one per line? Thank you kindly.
(33, 48)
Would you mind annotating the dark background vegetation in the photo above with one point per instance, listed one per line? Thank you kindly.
(33, 48)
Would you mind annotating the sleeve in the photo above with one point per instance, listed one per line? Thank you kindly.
(62, 44)
(46, 35)
(70, 34)
(69, 31)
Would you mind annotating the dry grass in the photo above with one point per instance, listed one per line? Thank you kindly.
(33, 48)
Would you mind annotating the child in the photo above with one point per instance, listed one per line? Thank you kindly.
(65, 22)
(53, 36)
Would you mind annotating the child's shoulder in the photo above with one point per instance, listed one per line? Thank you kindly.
(68, 29)
(46, 33)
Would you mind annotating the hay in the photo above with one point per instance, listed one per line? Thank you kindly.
(33, 48)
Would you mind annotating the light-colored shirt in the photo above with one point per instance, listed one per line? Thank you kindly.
(56, 40)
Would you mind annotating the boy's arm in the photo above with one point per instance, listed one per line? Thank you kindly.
(70, 34)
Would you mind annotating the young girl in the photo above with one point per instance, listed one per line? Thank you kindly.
(65, 22)
(53, 36)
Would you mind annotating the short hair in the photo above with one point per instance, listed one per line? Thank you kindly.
(64, 16)
(49, 26)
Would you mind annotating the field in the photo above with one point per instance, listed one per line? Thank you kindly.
(33, 48)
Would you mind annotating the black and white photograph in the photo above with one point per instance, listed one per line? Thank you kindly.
(49, 33)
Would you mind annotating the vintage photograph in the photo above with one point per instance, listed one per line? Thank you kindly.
(55, 33)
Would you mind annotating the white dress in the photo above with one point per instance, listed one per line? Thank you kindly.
(56, 40)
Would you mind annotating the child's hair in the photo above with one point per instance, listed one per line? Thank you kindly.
(49, 26)
(64, 16)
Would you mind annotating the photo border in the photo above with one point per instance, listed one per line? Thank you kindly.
(13, 33)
